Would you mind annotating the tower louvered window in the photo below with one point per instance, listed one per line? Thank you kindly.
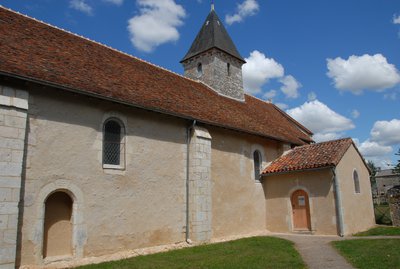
(113, 142)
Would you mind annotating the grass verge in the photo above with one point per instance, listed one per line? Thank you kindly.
(255, 252)
(370, 253)
(381, 230)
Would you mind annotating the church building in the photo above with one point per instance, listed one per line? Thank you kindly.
(102, 152)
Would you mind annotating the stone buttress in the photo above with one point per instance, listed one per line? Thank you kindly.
(200, 215)
(13, 127)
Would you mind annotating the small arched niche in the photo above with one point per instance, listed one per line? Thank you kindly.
(57, 234)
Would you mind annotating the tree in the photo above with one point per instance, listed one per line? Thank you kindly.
(374, 169)
(396, 169)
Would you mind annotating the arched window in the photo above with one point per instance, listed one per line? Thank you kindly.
(199, 69)
(257, 164)
(113, 142)
(356, 182)
(228, 68)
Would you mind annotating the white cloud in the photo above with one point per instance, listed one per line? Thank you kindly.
(115, 2)
(270, 94)
(282, 106)
(156, 24)
(290, 86)
(373, 149)
(312, 96)
(82, 6)
(325, 123)
(396, 19)
(355, 114)
(258, 70)
(382, 162)
(359, 73)
(245, 9)
(321, 137)
(386, 132)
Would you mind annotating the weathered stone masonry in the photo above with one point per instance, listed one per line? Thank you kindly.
(13, 118)
(215, 72)
(200, 211)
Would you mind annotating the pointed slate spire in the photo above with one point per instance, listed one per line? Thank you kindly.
(213, 35)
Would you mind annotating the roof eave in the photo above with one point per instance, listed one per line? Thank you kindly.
(298, 170)
(188, 57)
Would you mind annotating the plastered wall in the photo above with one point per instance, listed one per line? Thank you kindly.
(142, 205)
(238, 200)
(357, 208)
(319, 186)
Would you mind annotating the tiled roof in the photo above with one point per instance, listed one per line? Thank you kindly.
(313, 156)
(32, 50)
(385, 173)
(212, 35)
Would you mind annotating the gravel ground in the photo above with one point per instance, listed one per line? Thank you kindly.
(317, 252)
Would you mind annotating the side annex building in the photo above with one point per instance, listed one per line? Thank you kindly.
(101, 152)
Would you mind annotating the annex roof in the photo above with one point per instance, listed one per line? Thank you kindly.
(212, 35)
(386, 173)
(313, 156)
(34, 51)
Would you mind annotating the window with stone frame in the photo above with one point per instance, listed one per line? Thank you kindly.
(113, 143)
(257, 160)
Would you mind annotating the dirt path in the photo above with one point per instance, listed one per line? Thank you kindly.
(317, 252)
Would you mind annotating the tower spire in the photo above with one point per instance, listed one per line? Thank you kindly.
(212, 5)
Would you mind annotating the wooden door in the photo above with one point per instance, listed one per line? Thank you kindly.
(301, 210)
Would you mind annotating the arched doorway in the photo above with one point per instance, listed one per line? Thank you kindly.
(57, 239)
(300, 211)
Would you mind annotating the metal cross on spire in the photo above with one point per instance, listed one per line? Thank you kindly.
(212, 5)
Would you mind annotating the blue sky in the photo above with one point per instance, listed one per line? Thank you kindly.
(332, 65)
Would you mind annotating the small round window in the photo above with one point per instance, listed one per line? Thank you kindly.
(199, 70)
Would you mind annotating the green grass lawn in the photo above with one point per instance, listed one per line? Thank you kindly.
(255, 252)
(381, 230)
(371, 253)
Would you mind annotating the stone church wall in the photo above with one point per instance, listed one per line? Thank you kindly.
(238, 200)
(114, 210)
(144, 203)
(319, 187)
(357, 208)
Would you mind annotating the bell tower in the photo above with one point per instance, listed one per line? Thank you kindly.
(214, 60)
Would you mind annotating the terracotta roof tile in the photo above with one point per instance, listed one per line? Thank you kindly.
(319, 155)
(33, 50)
